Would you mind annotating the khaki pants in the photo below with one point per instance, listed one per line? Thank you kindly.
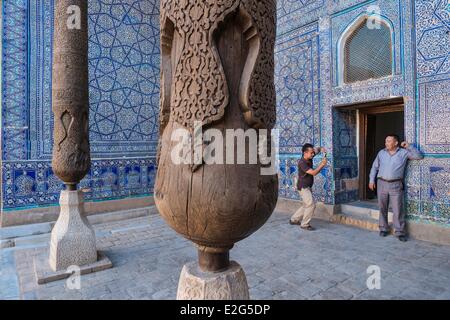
(306, 211)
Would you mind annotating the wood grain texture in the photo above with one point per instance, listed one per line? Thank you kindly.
(217, 68)
(70, 95)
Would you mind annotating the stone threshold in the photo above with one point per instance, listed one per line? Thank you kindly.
(34, 234)
(365, 217)
(92, 209)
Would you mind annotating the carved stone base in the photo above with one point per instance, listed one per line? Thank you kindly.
(73, 239)
(44, 274)
(195, 284)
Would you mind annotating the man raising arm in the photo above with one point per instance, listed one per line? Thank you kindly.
(389, 169)
(305, 182)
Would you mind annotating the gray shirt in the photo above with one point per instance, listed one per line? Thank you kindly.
(392, 167)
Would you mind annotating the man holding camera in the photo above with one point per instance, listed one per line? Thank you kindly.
(305, 182)
(389, 168)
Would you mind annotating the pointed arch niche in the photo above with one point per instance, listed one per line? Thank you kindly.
(365, 50)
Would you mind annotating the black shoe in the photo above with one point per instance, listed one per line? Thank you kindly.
(294, 223)
(383, 233)
(308, 228)
(402, 238)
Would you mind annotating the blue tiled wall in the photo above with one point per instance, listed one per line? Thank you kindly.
(309, 33)
(124, 101)
(124, 83)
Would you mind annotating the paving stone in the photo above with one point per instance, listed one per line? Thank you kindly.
(296, 278)
(417, 273)
(354, 286)
(281, 262)
(438, 279)
(260, 292)
(394, 286)
(444, 296)
(140, 292)
(253, 280)
(334, 293)
(430, 288)
(415, 294)
(287, 295)
(308, 289)
(29, 295)
(94, 292)
(374, 295)
(323, 283)
(165, 294)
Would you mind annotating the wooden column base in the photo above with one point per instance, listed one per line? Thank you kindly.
(213, 261)
(71, 187)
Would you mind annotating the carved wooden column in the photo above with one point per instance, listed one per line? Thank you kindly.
(73, 239)
(217, 68)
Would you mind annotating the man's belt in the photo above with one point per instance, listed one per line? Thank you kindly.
(394, 180)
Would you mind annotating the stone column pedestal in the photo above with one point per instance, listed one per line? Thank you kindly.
(72, 239)
(230, 284)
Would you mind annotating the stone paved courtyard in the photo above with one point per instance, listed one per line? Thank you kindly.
(281, 262)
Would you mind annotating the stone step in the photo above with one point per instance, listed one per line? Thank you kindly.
(122, 215)
(25, 230)
(356, 220)
(12, 236)
(364, 210)
(41, 240)
(34, 235)
(32, 241)
(362, 215)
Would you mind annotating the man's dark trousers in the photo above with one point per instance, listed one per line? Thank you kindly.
(391, 193)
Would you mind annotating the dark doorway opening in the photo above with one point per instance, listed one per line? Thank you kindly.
(376, 119)
(378, 126)
(375, 122)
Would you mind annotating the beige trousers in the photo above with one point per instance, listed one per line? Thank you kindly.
(306, 211)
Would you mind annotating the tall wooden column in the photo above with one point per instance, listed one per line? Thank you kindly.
(217, 69)
(73, 239)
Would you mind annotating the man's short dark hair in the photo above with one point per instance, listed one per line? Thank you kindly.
(393, 135)
(306, 146)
